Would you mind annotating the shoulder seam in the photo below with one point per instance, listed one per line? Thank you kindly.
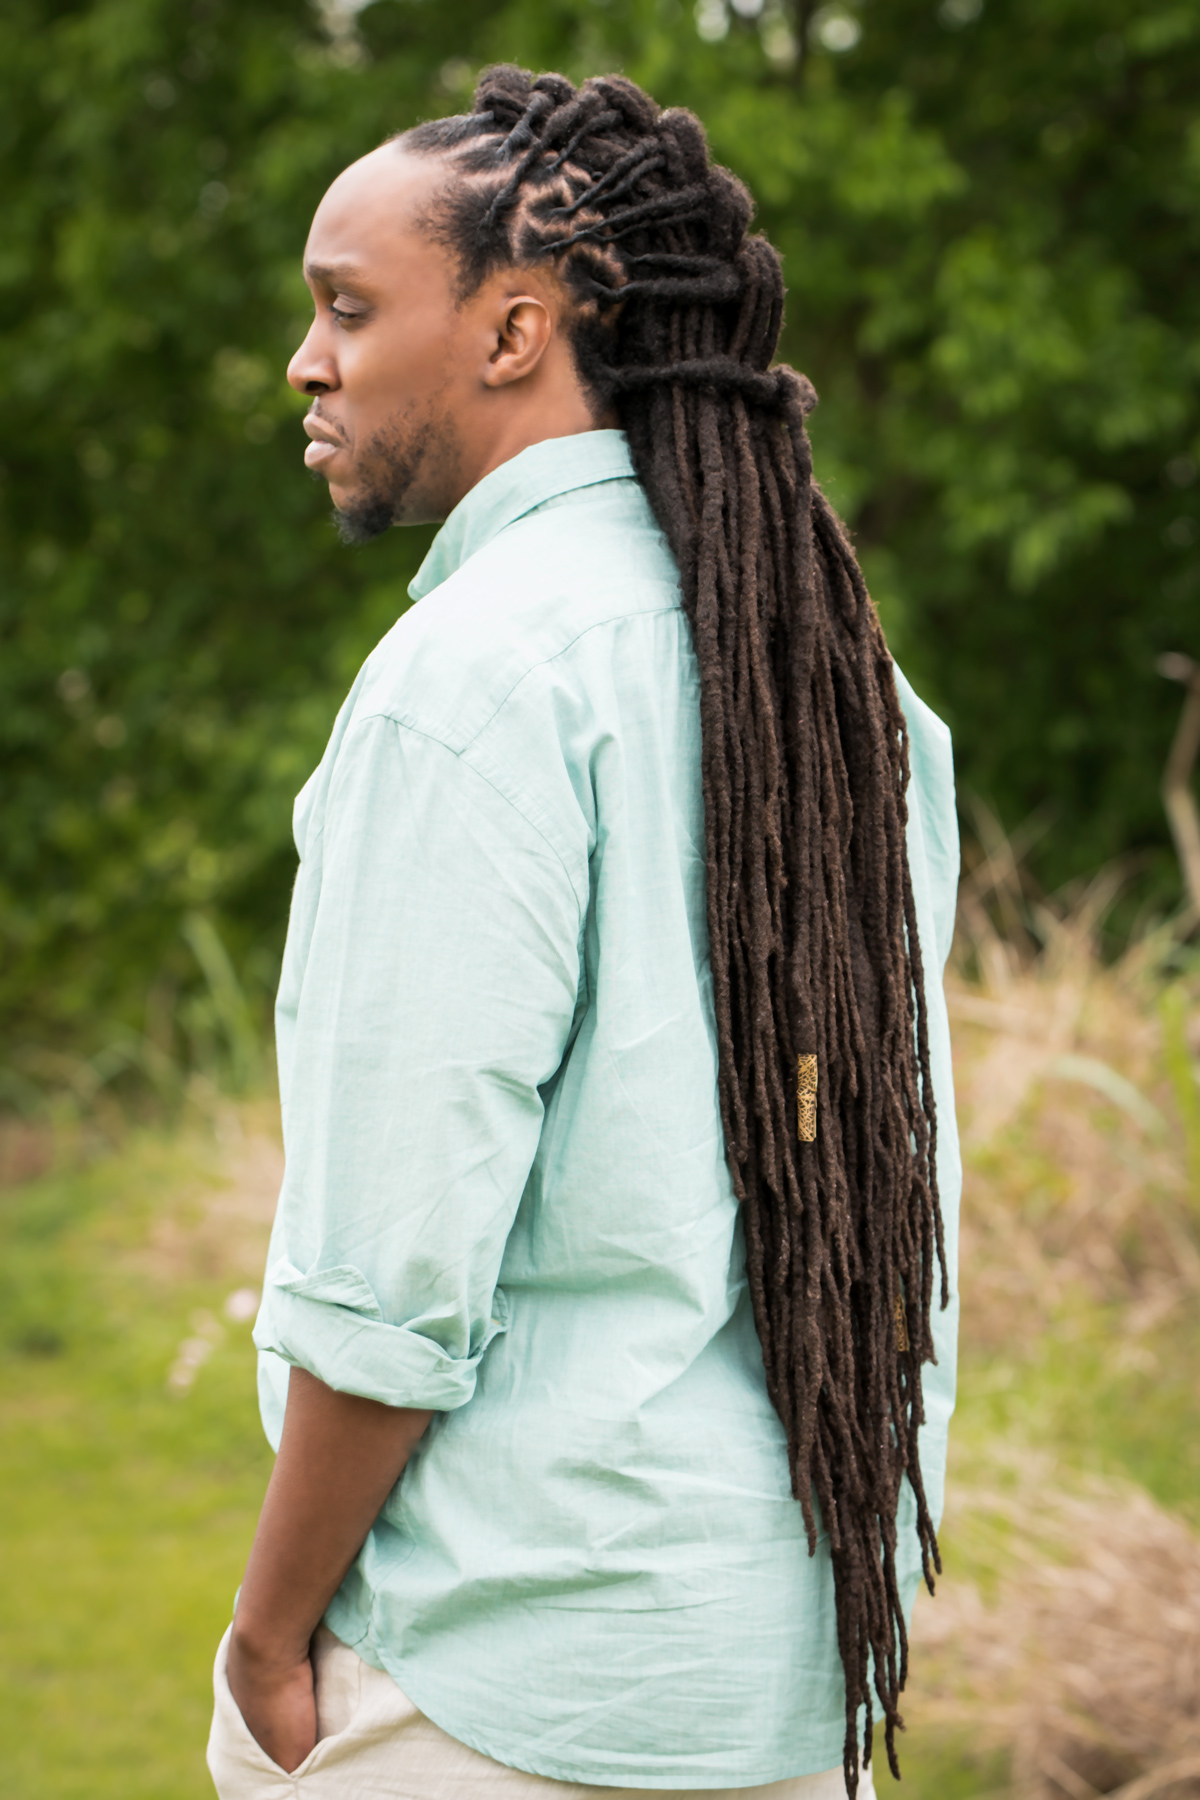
(597, 625)
(658, 612)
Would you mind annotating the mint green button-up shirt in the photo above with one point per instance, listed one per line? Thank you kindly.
(506, 1196)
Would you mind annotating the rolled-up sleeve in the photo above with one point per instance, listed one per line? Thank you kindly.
(428, 991)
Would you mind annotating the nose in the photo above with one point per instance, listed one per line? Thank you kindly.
(313, 370)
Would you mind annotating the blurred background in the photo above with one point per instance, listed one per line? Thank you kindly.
(990, 215)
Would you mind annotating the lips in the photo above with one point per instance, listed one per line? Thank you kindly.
(320, 452)
(324, 446)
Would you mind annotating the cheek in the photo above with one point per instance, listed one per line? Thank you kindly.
(368, 391)
(405, 368)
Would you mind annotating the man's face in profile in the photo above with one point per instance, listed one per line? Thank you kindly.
(379, 359)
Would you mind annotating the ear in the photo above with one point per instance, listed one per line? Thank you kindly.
(523, 331)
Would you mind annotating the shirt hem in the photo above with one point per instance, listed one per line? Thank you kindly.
(627, 1775)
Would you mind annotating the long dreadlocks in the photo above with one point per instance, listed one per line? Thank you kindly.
(825, 1090)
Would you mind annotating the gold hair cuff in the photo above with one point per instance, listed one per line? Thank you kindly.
(901, 1326)
(806, 1098)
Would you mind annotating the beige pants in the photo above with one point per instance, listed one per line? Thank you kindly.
(373, 1744)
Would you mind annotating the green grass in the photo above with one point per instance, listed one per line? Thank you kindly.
(952, 1769)
(1074, 1398)
(129, 1510)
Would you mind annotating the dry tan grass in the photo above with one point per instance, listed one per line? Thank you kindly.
(1077, 1650)
(26, 1150)
(1076, 1173)
(218, 1228)
(1086, 1662)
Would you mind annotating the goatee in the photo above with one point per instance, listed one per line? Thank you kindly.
(367, 519)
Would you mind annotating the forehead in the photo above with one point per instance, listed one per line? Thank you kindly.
(371, 217)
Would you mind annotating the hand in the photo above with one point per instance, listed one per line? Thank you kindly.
(274, 1694)
(339, 1458)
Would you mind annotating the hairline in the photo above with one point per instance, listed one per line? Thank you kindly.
(425, 218)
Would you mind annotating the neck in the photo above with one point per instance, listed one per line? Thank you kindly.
(532, 427)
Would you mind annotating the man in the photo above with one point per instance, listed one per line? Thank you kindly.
(621, 1175)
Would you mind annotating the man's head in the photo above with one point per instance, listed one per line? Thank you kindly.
(418, 387)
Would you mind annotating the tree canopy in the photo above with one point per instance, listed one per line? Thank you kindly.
(989, 212)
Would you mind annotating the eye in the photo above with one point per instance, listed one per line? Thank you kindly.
(344, 318)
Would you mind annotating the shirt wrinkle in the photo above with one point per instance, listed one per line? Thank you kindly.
(459, 755)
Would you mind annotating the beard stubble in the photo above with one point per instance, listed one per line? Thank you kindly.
(392, 463)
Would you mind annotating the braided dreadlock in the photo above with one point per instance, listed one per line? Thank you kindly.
(675, 318)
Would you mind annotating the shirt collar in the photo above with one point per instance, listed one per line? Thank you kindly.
(528, 480)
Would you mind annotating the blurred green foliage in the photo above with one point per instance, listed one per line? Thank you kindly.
(989, 212)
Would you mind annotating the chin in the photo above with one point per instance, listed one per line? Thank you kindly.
(361, 517)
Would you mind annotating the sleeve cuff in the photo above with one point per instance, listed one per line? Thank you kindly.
(330, 1323)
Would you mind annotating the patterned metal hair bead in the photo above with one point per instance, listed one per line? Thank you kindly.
(806, 1098)
(902, 1343)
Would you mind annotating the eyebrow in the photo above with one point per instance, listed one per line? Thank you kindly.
(334, 274)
